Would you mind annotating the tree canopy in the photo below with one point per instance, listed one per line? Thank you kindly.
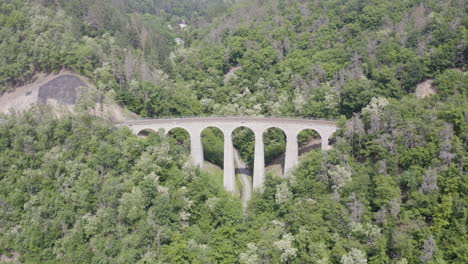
(74, 188)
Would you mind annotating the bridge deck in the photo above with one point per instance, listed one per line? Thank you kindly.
(232, 119)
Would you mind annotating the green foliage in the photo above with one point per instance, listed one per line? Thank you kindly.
(451, 82)
(75, 190)
(392, 190)
(89, 184)
(275, 143)
(291, 59)
(213, 146)
(244, 141)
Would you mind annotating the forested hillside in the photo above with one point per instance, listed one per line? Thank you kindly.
(300, 58)
(76, 189)
(393, 190)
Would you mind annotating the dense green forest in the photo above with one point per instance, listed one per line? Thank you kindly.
(393, 190)
(77, 189)
(295, 58)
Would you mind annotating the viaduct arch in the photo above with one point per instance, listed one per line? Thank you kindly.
(195, 125)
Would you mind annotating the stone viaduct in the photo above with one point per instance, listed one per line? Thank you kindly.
(194, 126)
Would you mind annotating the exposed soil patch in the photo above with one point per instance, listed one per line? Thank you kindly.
(13, 258)
(231, 73)
(63, 89)
(23, 97)
(425, 89)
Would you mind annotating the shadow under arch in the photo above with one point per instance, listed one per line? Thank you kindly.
(274, 140)
(308, 139)
(213, 145)
(147, 131)
(243, 140)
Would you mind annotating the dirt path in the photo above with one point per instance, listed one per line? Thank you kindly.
(275, 166)
(244, 172)
(279, 161)
(231, 73)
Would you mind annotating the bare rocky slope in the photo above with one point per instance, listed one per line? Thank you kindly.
(62, 91)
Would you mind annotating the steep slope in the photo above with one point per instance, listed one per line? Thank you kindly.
(301, 58)
(64, 91)
(245, 176)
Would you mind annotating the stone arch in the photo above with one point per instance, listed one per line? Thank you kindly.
(181, 135)
(274, 127)
(244, 142)
(243, 139)
(289, 127)
(213, 126)
(308, 139)
(147, 131)
(274, 140)
(212, 138)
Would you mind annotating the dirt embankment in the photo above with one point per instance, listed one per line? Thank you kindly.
(21, 98)
(62, 91)
(425, 89)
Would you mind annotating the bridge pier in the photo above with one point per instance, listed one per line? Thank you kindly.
(229, 169)
(196, 147)
(325, 136)
(292, 151)
(259, 161)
